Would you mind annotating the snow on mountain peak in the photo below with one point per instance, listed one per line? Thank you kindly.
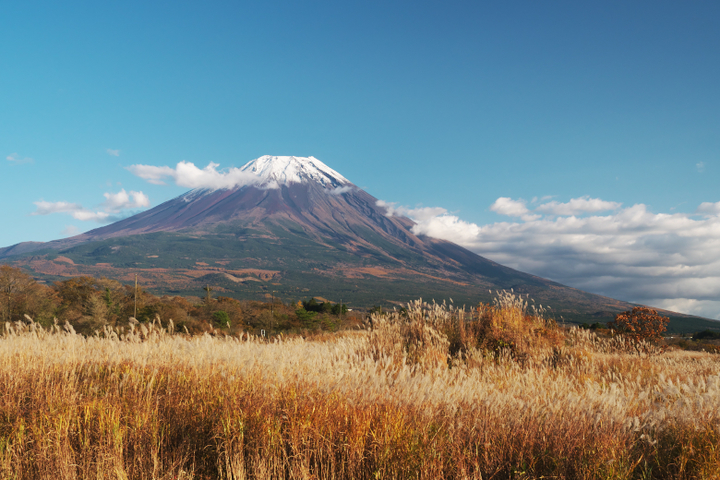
(287, 170)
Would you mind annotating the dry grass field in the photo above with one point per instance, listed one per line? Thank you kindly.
(431, 392)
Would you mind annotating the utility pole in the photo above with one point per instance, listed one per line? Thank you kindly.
(135, 314)
(272, 309)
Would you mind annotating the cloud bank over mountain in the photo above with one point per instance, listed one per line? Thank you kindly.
(630, 253)
(267, 171)
(186, 174)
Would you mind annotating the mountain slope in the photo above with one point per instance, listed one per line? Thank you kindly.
(295, 227)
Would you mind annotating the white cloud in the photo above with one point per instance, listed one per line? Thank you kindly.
(114, 153)
(75, 210)
(340, 190)
(700, 167)
(709, 208)
(114, 203)
(122, 200)
(512, 208)
(186, 174)
(46, 208)
(633, 254)
(448, 227)
(388, 206)
(421, 214)
(152, 174)
(18, 160)
(544, 198)
(703, 308)
(417, 214)
(578, 206)
(90, 216)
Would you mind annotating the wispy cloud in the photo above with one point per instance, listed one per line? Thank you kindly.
(151, 173)
(390, 207)
(340, 190)
(109, 211)
(16, 159)
(700, 167)
(46, 208)
(74, 209)
(418, 213)
(70, 231)
(630, 253)
(114, 153)
(186, 174)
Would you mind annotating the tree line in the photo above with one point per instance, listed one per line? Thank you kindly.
(89, 304)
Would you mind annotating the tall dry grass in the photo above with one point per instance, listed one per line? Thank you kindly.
(434, 392)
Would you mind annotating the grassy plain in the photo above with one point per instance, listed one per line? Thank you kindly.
(433, 392)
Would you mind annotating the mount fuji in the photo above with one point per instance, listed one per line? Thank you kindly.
(292, 227)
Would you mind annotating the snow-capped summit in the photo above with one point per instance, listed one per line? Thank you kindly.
(270, 172)
(287, 170)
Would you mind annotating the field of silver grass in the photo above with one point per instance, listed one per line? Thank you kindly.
(431, 392)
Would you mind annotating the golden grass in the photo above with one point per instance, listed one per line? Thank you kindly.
(518, 398)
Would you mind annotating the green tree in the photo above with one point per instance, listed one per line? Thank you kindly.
(312, 305)
(339, 309)
(306, 318)
(221, 318)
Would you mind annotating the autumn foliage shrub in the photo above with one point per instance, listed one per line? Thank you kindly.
(641, 327)
(640, 323)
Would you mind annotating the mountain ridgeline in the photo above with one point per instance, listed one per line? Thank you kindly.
(294, 228)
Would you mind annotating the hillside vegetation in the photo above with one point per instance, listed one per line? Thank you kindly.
(430, 391)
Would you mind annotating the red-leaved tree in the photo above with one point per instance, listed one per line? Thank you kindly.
(640, 323)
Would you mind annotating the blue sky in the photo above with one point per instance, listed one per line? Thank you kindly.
(572, 140)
